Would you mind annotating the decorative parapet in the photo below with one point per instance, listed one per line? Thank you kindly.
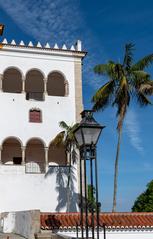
(74, 48)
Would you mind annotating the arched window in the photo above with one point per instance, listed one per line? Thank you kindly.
(35, 156)
(35, 116)
(34, 85)
(11, 151)
(12, 81)
(56, 84)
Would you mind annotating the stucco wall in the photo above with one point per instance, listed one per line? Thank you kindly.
(21, 191)
(48, 193)
(15, 108)
(25, 223)
(15, 117)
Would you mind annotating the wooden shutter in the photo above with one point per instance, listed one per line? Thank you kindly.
(35, 116)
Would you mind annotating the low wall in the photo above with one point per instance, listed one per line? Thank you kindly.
(24, 223)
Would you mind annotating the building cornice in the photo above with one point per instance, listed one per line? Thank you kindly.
(45, 50)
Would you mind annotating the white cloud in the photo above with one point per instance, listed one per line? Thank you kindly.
(57, 21)
(47, 20)
(133, 130)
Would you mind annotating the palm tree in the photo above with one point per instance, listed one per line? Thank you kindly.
(125, 81)
(66, 138)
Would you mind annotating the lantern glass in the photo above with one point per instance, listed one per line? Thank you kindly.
(88, 131)
(91, 135)
(78, 136)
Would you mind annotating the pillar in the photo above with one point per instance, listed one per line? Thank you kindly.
(23, 85)
(45, 86)
(46, 158)
(66, 85)
(23, 155)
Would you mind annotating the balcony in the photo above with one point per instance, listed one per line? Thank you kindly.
(37, 96)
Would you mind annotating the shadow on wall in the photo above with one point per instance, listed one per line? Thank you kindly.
(65, 186)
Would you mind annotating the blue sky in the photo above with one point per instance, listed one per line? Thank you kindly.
(104, 26)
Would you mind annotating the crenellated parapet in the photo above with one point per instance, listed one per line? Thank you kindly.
(74, 48)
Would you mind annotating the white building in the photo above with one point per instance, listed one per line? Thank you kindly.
(35, 224)
(39, 86)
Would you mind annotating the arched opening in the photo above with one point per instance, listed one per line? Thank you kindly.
(12, 81)
(57, 156)
(34, 85)
(56, 84)
(35, 156)
(11, 151)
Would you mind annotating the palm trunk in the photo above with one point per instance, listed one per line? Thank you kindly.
(116, 169)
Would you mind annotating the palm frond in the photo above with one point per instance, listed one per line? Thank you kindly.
(147, 88)
(128, 58)
(118, 72)
(143, 63)
(141, 82)
(105, 69)
(103, 96)
(70, 138)
(63, 125)
(138, 78)
(142, 99)
(140, 74)
(101, 69)
(58, 140)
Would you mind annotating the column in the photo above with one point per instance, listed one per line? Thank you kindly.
(46, 158)
(45, 86)
(23, 155)
(23, 85)
(66, 85)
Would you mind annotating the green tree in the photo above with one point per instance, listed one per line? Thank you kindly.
(91, 198)
(66, 139)
(144, 202)
(125, 81)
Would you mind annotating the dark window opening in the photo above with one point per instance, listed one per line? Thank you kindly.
(39, 96)
(17, 160)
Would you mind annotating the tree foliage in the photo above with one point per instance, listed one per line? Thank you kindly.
(91, 198)
(126, 80)
(66, 139)
(144, 202)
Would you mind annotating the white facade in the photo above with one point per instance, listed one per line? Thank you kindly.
(117, 234)
(25, 185)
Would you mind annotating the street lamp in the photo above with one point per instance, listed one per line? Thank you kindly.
(1, 29)
(87, 134)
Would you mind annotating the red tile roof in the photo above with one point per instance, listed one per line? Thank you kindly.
(51, 221)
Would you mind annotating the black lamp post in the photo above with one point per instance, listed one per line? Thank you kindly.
(87, 134)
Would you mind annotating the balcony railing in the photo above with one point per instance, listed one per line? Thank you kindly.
(35, 167)
(38, 96)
